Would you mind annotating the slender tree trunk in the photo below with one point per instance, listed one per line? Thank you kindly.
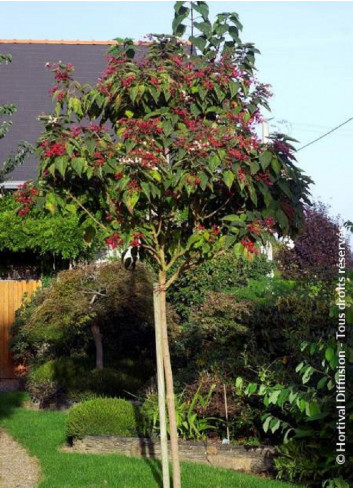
(169, 384)
(161, 387)
(97, 336)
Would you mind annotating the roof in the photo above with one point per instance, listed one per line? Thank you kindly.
(26, 82)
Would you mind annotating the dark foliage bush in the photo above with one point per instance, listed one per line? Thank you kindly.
(315, 251)
(104, 416)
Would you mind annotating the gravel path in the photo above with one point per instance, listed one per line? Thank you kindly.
(17, 468)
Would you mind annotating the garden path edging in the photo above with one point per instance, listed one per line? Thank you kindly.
(255, 459)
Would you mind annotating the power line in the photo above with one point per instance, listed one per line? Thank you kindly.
(326, 134)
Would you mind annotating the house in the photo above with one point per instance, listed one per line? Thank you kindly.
(26, 82)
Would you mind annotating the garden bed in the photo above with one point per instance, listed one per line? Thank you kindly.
(255, 459)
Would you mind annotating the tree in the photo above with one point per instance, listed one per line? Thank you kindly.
(315, 251)
(80, 302)
(23, 148)
(178, 171)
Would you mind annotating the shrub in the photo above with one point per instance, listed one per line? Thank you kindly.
(52, 379)
(104, 416)
(314, 255)
(112, 383)
(307, 413)
(221, 274)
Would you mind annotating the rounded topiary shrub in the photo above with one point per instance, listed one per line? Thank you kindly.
(104, 416)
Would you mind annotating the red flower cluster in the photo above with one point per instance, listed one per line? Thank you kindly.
(76, 131)
(25, 196)
(135, 127)
(128, 81)
(118, 176)
(255, 227)
(99, 158)
(237, 154)
(250, 246)
(270, 222)
(155, 82)
(52, 149)
(114, 241)
(134, 186)
(193, 180)
(62, 72)
(264, 177)
(215, 230)
(148, 159)
(137, 240)
(242, 175)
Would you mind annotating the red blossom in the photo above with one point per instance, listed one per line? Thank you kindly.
(250, 246)
(193, 180)
(114, 241)
(134, 186)
(56, 149)
(128, 81)
(270, 222)
(241, 175)
(118, 176)
(237, 154)
(255, 227)
(264, 177)
(216, 230)
(99, 158)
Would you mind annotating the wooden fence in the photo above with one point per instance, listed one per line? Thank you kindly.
(11, 296)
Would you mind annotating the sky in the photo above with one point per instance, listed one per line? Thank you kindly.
(306, 55)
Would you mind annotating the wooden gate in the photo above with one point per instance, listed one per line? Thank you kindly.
(11, 296)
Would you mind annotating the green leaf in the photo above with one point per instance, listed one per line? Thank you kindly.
(251, 388)
(130, 199)
(299, 367)
(228, 178)
(307, 374)
(233, 32)
(239, 384)
(230, 217)
(312, 409)
(61, 165)
(205, 27)
(233, 87)
(330, 354)
(220, 94)
(276, 165)
(265, 159)
(266, 424)
(274, 396)
(78, 164)
(275, 424)
(75, 106)
(89, 234)
(201, 8)
(198, 42)
(156, 175)
(133, 91)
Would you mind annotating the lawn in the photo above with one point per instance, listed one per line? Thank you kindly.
(43, 432)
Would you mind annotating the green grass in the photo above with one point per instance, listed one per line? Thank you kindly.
(43, 432)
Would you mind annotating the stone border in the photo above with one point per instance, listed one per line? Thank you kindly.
(255, 459)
